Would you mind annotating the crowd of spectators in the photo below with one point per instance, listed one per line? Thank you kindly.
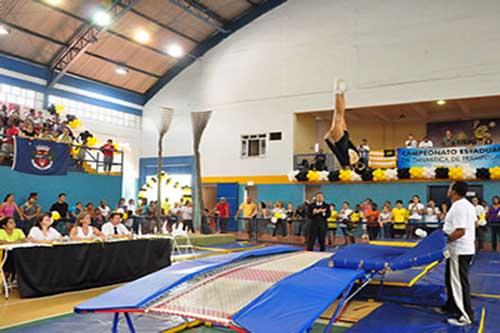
(349, 222)
(46, 125)
(85, 221)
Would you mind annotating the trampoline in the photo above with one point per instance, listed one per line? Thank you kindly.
(272, 289)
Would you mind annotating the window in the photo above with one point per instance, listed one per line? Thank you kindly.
(96, 113)
(23, 97)
(253, 145)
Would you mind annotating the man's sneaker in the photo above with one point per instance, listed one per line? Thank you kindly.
(462, 321)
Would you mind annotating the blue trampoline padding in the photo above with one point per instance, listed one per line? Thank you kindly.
(293, 304)
(375, 257)
(138, 293)
(396, 318)
(485, 273)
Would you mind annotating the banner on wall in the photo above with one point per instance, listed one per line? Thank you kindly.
(466, 132)
(40, 157)
(487, 156)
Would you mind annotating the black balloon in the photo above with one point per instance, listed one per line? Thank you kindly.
(333, 176)
(483, 173)
(442, 173)
(367, 174)
(302, 176)
(404, 173)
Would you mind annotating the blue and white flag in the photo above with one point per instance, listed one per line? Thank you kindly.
(40, 157)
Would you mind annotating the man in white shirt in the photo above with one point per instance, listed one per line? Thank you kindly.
(416, 210)
(459, 226)
(426, 143)
(411, 142)
(104, 208)
(114, 228)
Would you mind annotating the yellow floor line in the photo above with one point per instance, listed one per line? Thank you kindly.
(481, 323)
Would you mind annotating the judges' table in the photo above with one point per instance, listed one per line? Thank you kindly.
(76, 266)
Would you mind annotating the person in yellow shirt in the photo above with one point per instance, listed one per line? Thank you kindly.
(399, 220)
(9, 233)
(249, 210)
(332, 225)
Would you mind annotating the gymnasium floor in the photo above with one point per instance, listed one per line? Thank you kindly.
(54, 313)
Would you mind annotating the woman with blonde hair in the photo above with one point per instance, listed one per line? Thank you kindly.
(83, 230)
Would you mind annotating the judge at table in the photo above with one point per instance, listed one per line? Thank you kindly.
(114, 228)
(83, 230)
(43, 232)
(9, 233)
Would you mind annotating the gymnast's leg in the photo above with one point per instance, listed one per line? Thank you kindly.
(337, 137)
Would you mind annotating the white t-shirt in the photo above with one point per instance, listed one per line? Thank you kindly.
(187, 213)
(104, 211)
(344, 214)
(462, 215)
(411, 143)
(37, 234)
(427, 144)
(432, 214)
(108, 229)
(415, 211)
(479, 211)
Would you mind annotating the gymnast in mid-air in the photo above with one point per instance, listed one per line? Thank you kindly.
(337, 137)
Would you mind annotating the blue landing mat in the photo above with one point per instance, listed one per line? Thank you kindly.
(395, 318)
(485, 274)
(98, 323)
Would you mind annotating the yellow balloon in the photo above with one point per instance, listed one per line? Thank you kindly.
(92, 141)
(59, 108)
(313, 176)
(141, 195)
(456, 173)
(345, 175)
(416, 172)
(75, 124)
(379, 175)
(124, 216)
(55, 215)
(495, 173)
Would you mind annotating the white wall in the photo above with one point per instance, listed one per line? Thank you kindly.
(389, 51)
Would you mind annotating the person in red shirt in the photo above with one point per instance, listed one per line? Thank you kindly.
(222, 210)
(108, 151)
(373, 225)
(10, 133)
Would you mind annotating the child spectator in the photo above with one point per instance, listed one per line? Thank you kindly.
(332, 225)
(373, 223)
(399, 220)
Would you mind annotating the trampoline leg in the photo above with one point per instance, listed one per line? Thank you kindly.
(115, 323)
(339, 308)
(130, 323)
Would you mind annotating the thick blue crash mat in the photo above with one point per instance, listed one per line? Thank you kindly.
(136, 294)
(485, 274)
(375, 258)
(396, 318)
(293, 304)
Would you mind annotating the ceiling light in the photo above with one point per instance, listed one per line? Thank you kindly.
(102, 18)
(441, 102)
(3, 30)
(53, 2)
(142, 36)
(175, 50)
(121, 71)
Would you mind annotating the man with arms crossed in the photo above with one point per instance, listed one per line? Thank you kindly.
(459, 226)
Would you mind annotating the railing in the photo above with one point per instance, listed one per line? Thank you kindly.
(93, 158)
(298, 161)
